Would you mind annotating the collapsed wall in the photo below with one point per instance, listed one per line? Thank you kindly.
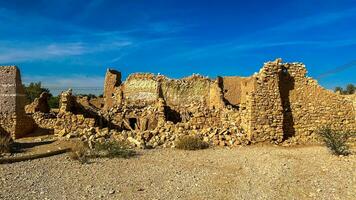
(276, 104)
(273, 105)
(13, 118)
(146, 89)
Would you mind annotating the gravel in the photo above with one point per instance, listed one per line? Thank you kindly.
(253, 172)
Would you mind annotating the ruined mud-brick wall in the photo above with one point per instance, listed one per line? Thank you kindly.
(232, 87)
(112, 81)
(147, 88)
(140, 89)
(12, 103)
(308, 106)
(261, 108)
(178, 92)
(181, 98)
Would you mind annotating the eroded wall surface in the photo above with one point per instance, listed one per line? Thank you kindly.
(13, 118)
(276, 103)
(112, 81)
(307, 105)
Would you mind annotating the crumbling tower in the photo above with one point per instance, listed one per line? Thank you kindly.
(13, 118)
(112, 81)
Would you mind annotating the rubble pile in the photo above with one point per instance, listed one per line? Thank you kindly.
(39, 105)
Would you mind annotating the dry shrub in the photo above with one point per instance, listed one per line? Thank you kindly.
(106, 149)
(336, 141)
(5, 143)
(191, 143)
(80, 152)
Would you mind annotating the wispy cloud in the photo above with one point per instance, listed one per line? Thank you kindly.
(40, 43)
(313, 21)
(41, 51)
(276, 36)
(79, 83)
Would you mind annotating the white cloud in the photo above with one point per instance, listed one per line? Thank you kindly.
(40, 51)
(79, 83)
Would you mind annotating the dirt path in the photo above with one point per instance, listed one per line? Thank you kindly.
(242, 173)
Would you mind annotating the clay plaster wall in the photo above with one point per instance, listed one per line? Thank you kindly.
(140, 88)
(194, 89)
(232, 88)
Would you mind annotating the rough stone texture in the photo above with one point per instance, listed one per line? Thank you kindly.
(277, 104)
(264, 105)
(12, 101)
(273, 105)
(308, 105)
(284, 103)
(39, 104)
(112, 81)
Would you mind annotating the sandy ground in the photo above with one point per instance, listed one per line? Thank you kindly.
(253, 172)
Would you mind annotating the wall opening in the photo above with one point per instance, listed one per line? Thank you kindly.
(172, 115)
(133, 122)
(286, 84)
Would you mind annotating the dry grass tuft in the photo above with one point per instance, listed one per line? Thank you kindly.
(81, 153)
(5, 144)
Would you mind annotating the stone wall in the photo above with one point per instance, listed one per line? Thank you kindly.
(40, 104)
(12, 100)
(273, 105)
(112, 81)
(281, 102)
(263, 105)
(307, 105)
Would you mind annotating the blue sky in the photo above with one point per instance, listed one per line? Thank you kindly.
(70, 43)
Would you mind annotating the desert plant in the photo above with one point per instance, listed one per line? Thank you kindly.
(113, 149)
(191, 143)
(80, 153)
(34, 90)
(5, 143)
(350, 89)
(335, 141)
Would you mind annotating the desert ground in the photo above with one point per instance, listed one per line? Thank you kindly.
(246, 172)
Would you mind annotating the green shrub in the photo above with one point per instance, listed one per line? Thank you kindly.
(191, 143)
(108, 149)
(335, 141)
(113, 149)
(53, 102)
